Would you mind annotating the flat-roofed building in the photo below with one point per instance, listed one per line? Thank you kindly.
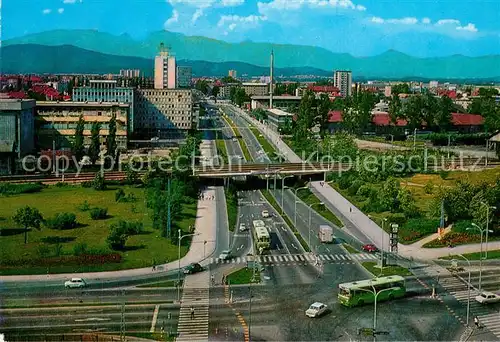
(107, 91)
(17, 133)
(184, 75)
(280, 102)
(277, 118)
(166, 113)
(256, 89)
(57, 121)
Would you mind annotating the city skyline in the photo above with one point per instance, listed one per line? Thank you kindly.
(436, 29)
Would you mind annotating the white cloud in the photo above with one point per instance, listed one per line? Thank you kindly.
(377, 20)
(232, 3)
(197, 14)
(173, 19)
(360, 8)
(251, 19)
(71, 1)
(448, 22)
(232, 27)
(291, 5)
(46, 11)
(426, 21)
(403, 21)
(469, 27)
(60, 10)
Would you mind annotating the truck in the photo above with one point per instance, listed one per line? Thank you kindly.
(325, 233)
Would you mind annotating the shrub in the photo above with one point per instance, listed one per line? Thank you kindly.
(429, 188)
(62, 221)
(119, 194)
(43, 251)
(365, 190)
(16, 189)
(399, 219)
(344, 182)
(98, 182)
(117, 238)
(353, 189)
(461, 227)
(98, 213)
(87, 184)
(85, 206)
(80, 249)
(130, 198)
(444, 174)
(58, 250)
(129, 228)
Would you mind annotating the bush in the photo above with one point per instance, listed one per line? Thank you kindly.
(16, 189)
(444, 174)
(80, 249)
(119, 194)
(58, 250)
(461, 227)
(365, 190)
(353, 189)
(86, 184)
(62, 221)
(399, 219)
(429, 188)
(129, 228)
(98, 182)
(43, 251)
(85, 206)
(98, 213)
(414, 229)
(117, 239)
(344, 182)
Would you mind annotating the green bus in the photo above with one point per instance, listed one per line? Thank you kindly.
(261, 237)
(361, 292)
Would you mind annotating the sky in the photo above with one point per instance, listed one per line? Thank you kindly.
(422, 28)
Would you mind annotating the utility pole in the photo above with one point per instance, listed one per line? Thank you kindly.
(122, 323)
(168, 209)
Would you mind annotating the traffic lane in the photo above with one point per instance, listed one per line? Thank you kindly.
(222, 224)
(303, 223)
(251, 142)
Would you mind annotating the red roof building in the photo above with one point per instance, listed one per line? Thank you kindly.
(17, 95)
(459, 119)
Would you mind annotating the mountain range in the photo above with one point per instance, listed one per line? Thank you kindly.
(90, 51)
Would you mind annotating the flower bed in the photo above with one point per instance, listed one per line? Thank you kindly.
(453, 239)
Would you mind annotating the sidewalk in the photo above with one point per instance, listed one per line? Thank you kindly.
(362, 222)
(205, 227)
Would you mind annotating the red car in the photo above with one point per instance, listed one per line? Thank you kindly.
(370, 248)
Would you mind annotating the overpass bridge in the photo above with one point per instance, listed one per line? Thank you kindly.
(261, 169)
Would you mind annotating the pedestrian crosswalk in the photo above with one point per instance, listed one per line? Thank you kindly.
(457, 287)
(291, 259)
(193, 314)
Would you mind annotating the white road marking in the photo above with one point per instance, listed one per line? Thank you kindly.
(92, 319)
(155, 318)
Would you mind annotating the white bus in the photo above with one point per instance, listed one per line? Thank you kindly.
(261, 237)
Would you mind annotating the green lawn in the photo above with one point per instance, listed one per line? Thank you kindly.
(243, 276)
(387, 271)
(156, 336)
(266, 146)
(141, 250)
(232, 209)
(270, 198)
(350, 249)
(221, 149)
(493, 254)
(168, 283)
(242, 143)
(309, 198)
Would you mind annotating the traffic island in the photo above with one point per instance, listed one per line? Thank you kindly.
(375, 269)
(349, 248)
(243, 276)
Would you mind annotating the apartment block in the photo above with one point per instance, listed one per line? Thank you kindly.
(343, 81)
(184, 75)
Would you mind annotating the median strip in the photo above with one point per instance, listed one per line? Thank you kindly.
(237, 134)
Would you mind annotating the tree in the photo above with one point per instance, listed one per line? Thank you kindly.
(323, 108)
(98, 183)
(403, 88)
(202, 85)
(429, 108)
(28, 217)
(487, 92)
(215, 90)
(240, 97)
(229, 79)
(111, 139)
(412, 110)
(395, 109)
(78, 147)
(95, 143)
(443, 114)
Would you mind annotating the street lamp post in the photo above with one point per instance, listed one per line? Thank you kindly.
(310, 214)
(383, 219)
(468, 287)
(180, 237)
(295, 213)
(488, 207)
(481, 231)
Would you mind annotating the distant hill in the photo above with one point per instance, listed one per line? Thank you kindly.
(32, 58)
(391, 64)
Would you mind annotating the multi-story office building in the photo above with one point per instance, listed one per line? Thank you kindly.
(107, 91)
(343, 81)
(165, 70)
(277, 118)
(130, 73)
(17, 136)
(56, 121)
(166, 113)
(225, 90)
(256, 89)
(184, 75)
(232, 73)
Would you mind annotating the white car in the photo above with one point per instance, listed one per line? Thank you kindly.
(75, 283)
(243, 227)
(316, 310)
(265, 214)
(225, 255)
(487, 298)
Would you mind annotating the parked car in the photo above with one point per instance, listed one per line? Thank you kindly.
(75, 283)
(487, 298)
(243, 227)
(370, 248)
(316, 309)
(225, 255)
(265, 213)
(193, 268)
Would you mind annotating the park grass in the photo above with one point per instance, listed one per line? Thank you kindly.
(237, 134)
(387, 271)
(155, 336)
(243, 276)
(350, 249)
(493, 254)
(141, 250)
(168, 283)
(270, 198)
(221, 148)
